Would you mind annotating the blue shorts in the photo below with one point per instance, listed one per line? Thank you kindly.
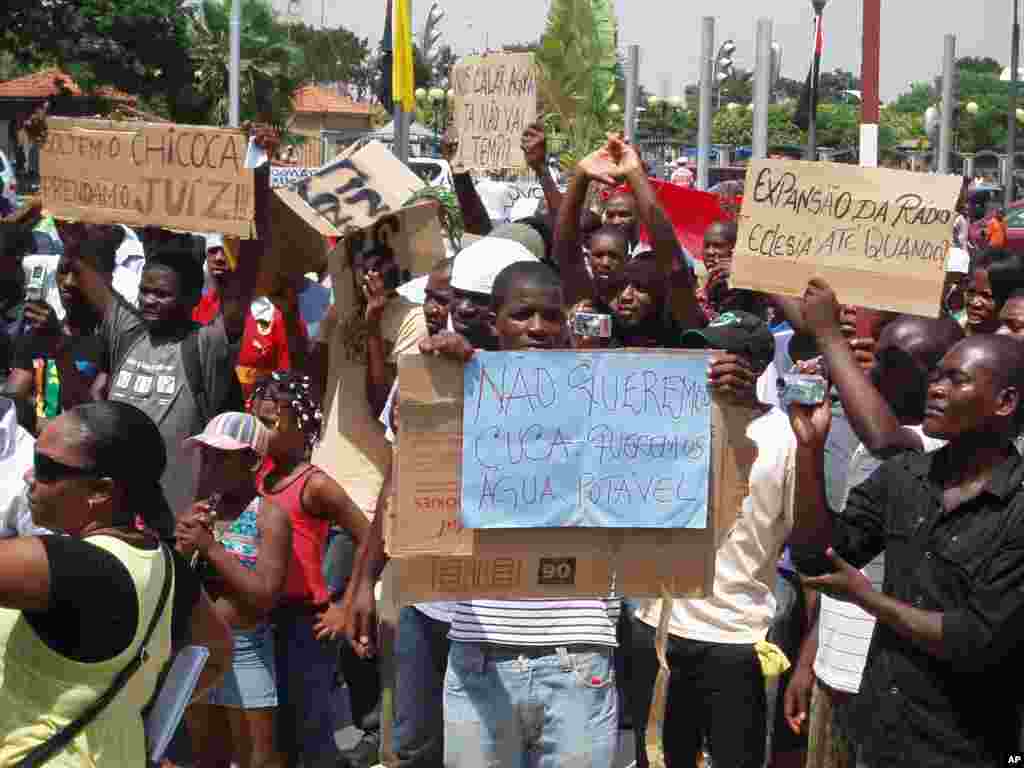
(251, 682)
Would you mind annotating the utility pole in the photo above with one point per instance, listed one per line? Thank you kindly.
(812, 117)
(948, 108)
(1011, 134)
(869, 76)
(235, 30)
(707, 70)
(762, 88)
(632, 88)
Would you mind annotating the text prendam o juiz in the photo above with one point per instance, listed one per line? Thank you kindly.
(211, 150)
(206, 198)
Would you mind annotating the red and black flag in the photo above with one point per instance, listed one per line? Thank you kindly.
(809, 95)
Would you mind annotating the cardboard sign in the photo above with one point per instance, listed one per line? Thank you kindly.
(182, 177)
(436, 558)
(298, 242)
(495, 101)
(355, 189)
(592, 440)
(878, 236)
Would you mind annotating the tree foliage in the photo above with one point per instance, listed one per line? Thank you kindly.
(330, 55)
(270, 69)
(138, 46)
(578, 64)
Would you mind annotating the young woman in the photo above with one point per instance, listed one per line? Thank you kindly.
(312, 501)
(243, 566)
(75, 607)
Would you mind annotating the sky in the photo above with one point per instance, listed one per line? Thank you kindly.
(668, 32)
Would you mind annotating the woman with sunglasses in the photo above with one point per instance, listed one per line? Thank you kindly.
(75, 608)
(313, 502)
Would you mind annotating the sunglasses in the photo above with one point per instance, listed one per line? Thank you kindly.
(47, 470)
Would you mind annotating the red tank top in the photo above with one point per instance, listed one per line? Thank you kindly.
(305, 584)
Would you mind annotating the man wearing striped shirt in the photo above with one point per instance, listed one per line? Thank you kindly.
(528, 680)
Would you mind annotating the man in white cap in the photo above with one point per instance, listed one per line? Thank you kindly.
(472, 278)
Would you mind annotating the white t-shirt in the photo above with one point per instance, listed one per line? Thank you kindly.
(844, 630)
(17, 448)
(742, 604)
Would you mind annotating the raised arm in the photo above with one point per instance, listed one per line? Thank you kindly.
(871, 417)
(667, 251)
(535, 150)
(239, 285)
(474, 214)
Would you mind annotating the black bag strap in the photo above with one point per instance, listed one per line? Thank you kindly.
(194, 374)
(42, 753)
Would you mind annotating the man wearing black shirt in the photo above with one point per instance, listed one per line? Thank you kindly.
(71, 354)
(940, 687)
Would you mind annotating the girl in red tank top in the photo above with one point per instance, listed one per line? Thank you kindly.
(312, 500)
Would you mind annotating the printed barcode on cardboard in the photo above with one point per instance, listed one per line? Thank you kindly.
(458, 573)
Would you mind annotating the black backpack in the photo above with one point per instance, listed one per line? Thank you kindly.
(233, 399)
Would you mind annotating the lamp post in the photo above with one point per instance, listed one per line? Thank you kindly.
(812, 117)
(724, 66)
(439, 101)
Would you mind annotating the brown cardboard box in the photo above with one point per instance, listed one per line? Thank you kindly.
(434, 558)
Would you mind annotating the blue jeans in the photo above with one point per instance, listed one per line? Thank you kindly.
(305, 689)
(507, 707)
(421, 658)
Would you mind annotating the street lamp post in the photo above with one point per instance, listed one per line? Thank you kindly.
(724, 66)
(1011, 137)
(439, 101)
(812, 117)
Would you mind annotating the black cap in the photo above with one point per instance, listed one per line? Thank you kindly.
(740, 333)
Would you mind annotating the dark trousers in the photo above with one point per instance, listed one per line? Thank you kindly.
(361, 675)
(714, 688)
(421, 659)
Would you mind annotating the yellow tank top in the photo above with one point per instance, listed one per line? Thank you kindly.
(42, 691)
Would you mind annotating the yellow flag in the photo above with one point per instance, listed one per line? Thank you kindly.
(403, 79)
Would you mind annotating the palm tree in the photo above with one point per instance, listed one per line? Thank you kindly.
(271, 64)
(578, 62)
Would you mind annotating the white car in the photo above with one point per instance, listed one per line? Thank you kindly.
(433, 170)
(8, 183)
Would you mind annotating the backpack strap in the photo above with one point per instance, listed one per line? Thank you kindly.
(194, 374)
(42, 753)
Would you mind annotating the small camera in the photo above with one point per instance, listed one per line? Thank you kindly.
(35, 286)
(800, 389)
(592, 324)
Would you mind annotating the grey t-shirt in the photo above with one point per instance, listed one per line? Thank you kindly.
(151, 377)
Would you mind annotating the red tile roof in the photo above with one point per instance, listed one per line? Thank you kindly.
(317, 100)
(40, 85)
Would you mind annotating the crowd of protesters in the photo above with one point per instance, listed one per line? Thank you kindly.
(157, 432)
